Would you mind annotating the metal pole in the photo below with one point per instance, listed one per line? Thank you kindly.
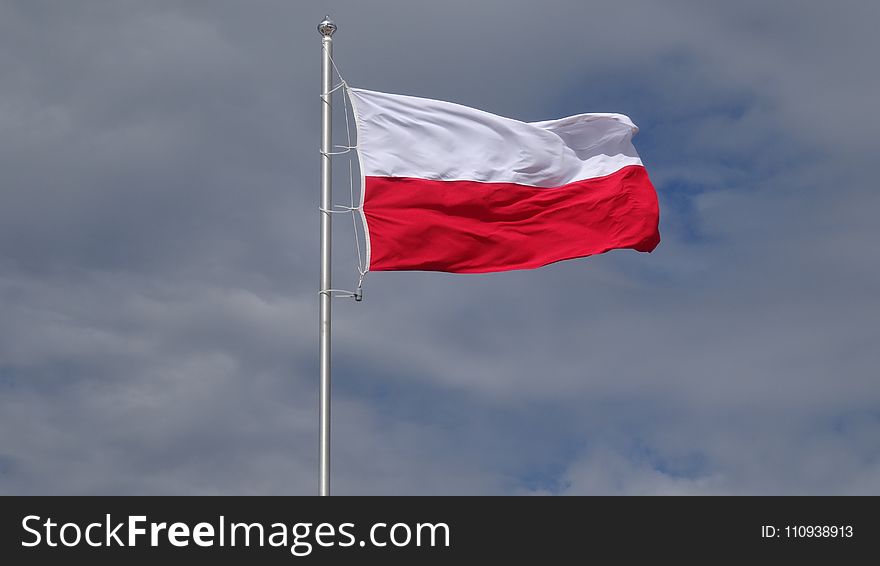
(326, 29)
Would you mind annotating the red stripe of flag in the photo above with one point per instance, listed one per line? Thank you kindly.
(476, 227)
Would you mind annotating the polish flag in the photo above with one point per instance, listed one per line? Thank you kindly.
(451, 188)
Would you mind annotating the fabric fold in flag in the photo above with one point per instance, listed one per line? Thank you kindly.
(451, 188)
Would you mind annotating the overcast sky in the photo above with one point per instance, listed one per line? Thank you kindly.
(159, 184)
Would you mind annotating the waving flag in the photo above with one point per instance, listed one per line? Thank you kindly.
(451, 188)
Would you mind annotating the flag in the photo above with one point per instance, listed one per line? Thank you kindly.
(451, 188)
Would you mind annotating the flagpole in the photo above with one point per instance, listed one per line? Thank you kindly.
(326, 29)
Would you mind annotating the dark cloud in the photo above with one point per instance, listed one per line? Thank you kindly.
(158, 256)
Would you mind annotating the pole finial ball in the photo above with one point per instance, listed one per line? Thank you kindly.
(326, 27)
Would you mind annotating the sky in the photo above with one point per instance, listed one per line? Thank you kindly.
(159, 184)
